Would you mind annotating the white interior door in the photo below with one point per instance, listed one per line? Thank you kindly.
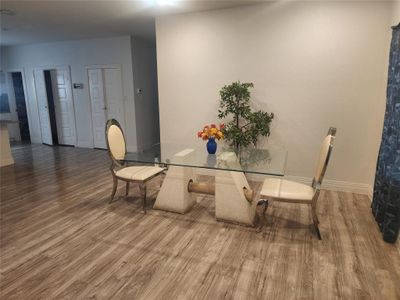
(63, 105)
(96, 90)
(41, 96)
(114, 95)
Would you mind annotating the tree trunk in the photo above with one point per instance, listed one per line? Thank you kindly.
(236, 142)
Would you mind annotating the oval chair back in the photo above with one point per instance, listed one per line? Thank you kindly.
(324, 157)
(116, 144)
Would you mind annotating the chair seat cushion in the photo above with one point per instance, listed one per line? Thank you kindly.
(285, 189)
(139, 173)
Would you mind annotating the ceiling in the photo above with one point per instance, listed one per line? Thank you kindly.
(57, 20)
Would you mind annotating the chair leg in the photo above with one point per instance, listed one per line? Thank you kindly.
(265, 203)
(143, 191)
(314, 208)
(127, 189)
(114, 190)
(315, 221)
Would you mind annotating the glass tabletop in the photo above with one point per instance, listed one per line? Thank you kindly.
(267, 161)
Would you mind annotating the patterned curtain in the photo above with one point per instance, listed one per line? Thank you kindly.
(386, 197)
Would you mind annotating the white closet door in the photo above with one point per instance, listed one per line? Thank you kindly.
(64, 107)
(96, 90)
(114, 95)
(41, 97)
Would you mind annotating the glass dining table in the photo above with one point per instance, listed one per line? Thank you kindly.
(186, 163)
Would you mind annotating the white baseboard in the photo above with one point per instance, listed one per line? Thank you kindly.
(370, 192)
(82, 144)
(85, 144)
(345, 186)
(337, 185)
(333, 185)
(6, 161)
(35, 141)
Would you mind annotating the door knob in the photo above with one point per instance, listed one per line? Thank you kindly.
(104, 108)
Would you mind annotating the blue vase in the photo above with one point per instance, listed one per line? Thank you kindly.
(211, 146)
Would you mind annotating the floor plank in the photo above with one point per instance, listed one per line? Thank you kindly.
(60, 239)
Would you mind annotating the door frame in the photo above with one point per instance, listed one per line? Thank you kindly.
(57, 67)
(27, 104)
(105, 66)
(38, 106)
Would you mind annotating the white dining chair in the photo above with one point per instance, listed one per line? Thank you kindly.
(289, 191)
(120, 171)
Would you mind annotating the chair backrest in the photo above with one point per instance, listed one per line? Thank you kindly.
(115, 141)
(324, 156)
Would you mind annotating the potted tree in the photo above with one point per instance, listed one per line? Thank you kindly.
(246, 125)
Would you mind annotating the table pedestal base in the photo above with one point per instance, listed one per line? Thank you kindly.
(174, 195)
(234, 198)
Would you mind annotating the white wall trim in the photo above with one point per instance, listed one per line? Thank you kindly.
(345, 186)
(85, 144)
(82, 144)
(328, 184)
(7, 162)
(336, 185)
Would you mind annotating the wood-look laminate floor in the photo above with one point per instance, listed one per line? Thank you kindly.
(60, 239)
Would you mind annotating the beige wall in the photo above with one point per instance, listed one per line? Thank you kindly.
(313, 65)
(396, 13)
(146, 102)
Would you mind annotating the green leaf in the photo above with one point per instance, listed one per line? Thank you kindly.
(246, 126)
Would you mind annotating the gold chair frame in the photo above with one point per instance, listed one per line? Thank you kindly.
(316, 185)
(117, 164)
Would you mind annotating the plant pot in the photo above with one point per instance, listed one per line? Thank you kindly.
(211, 146)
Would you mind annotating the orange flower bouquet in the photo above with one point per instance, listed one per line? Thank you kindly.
(211, 133)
